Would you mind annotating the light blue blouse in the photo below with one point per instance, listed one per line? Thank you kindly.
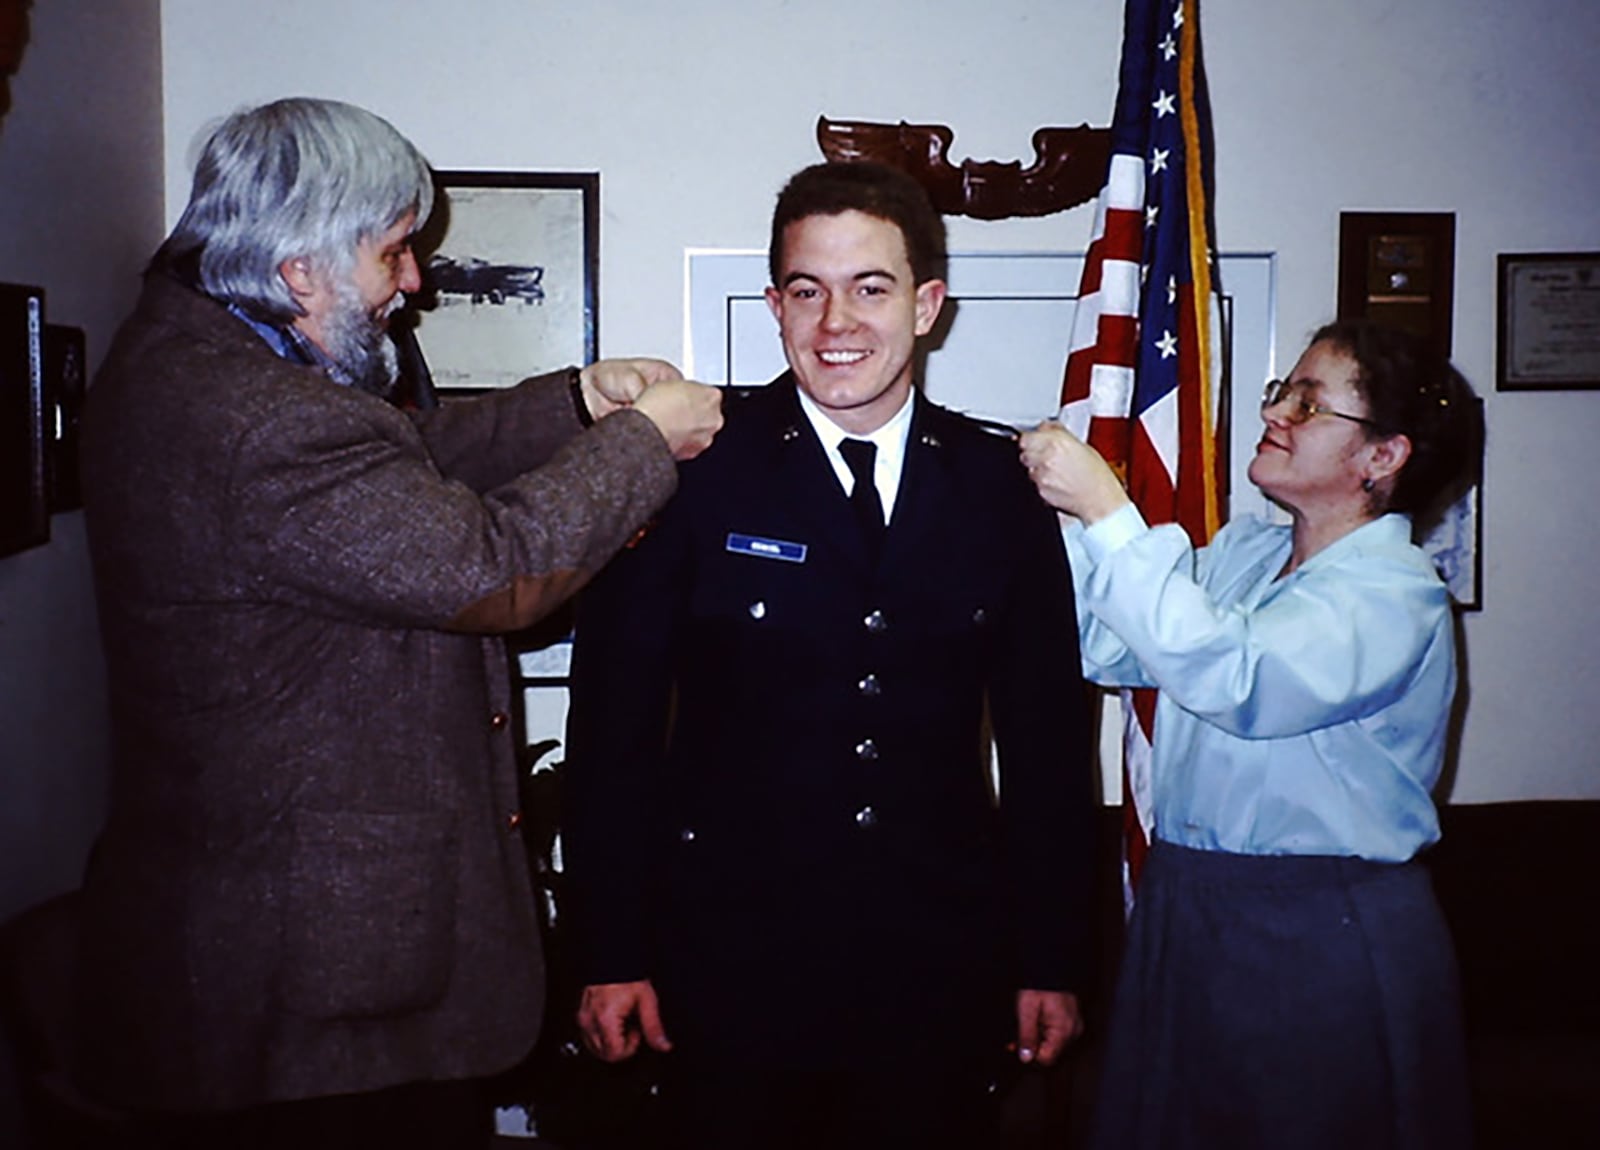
(1303, 715)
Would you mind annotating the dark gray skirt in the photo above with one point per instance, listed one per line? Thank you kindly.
(1284, 1001)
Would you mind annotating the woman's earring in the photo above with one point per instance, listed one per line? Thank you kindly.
(1367, 484)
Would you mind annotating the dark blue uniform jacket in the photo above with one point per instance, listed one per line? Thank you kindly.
(778, 805)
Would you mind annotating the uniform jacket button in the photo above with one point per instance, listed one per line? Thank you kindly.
(758, 610)
(498, 720)
(866, 818)
(869, 685)
(686, 835)
(514, 821)
(867, 750)
(876, 622)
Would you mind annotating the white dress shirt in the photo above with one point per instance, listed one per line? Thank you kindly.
(890, 439)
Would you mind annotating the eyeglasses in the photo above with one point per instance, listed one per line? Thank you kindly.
(1302, 407)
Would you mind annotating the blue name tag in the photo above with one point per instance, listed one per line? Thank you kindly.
(766, 548)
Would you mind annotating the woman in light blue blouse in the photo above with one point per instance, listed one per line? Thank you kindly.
(1288, 979)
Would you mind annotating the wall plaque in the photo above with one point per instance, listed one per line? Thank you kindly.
(1398, 268)
(1549, 321)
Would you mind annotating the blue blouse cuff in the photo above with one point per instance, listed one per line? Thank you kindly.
(1113, 532)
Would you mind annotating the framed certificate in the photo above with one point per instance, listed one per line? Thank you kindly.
(1549, 321)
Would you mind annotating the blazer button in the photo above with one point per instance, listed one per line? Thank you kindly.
(498, 720)
(870, 686)
(867, 751)
(513, 821)
(866, 818)
(686, 835)
(758, 610)
(876, 622)
(980, 616)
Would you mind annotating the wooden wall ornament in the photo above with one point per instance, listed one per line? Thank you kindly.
(1069, 166)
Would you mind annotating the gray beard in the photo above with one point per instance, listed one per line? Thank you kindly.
(359, 346)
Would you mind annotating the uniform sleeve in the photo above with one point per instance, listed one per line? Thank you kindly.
(1039, 707)
(342, 510)
(621, 684)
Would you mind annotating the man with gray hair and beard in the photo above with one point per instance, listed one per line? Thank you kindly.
(309, 920)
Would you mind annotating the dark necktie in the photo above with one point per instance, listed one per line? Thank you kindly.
(859, 455)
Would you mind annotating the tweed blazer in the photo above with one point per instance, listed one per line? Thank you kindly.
(778, 808)
(312, 880)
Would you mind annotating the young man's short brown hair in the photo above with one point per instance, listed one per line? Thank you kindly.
(872, 189)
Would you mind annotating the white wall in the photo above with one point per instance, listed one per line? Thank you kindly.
(80, 210)
(695, 112)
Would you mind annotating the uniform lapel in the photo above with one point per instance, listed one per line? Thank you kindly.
(926, 490)
(805, 480)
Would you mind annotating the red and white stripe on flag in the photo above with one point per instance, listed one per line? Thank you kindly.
(1143, 364)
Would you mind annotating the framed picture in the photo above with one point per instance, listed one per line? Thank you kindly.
(510, 263)
(1549, 321)
(1455, 544)
(24, 511)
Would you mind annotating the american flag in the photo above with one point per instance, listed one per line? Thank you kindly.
(1143, 368)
